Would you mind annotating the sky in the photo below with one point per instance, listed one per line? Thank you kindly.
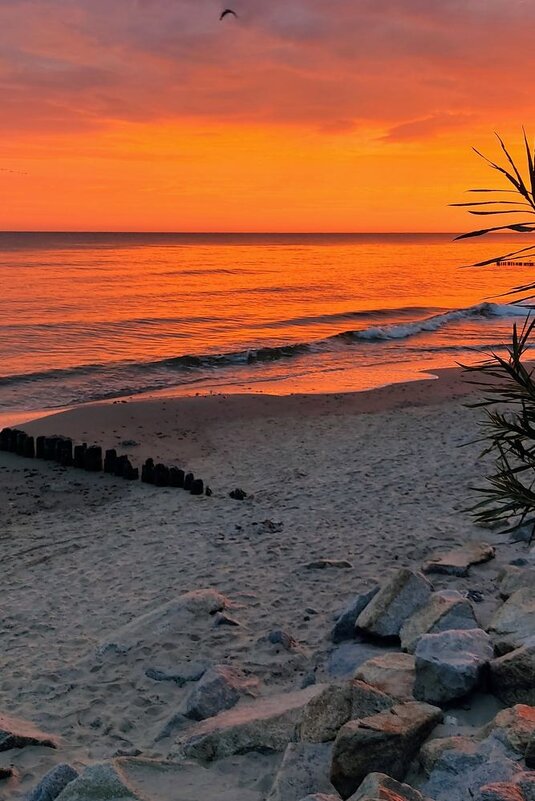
(300, 115)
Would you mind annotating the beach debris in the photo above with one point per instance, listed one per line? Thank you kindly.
(322, 564)
(397, 600)
(384, 742)
(447, 609)
(380, 786)
(458, 561)
(267, 724)
(238, 494)
(173, 618)
(450, 665)
(512, 676)
(391, 673)
(181, 675)
(222, 619)
(280, 637)
(17, 733)
(220, 688)
(513, 624)
(55, 781)
(197, 487)
(304, 768)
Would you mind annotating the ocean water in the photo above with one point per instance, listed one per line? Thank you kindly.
(86, 317)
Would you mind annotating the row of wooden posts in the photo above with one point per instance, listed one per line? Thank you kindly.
(90, 458)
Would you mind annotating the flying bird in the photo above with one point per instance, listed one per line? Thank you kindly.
(226, 12)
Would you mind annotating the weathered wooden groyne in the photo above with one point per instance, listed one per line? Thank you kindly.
(92, 459)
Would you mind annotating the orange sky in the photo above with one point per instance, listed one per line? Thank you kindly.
(302, 115)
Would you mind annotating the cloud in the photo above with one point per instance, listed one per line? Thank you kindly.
(414, 68)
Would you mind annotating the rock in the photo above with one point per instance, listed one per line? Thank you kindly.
(501, 791)
(380, 787)
(344, 659)
(529, 755)
(189, 671)
(445, 610)
(101, 782)
(344, 628)
(385, 742)
(17, 733)
(525, 781)
(53, 783)
(221, 619)
(458, 561)
(221, 687)
(515, 578)
(322, 564)
(321, 797)
(514, 622)
(432, 751)
(450, 665)
(267, 724)
(6, 773)
(367, 701)
(238, 494)
(326, 713)
(392, 673)
(397, 600)
(169, 620)
(459, 773)
(514, 727)
(304, 769)
(512, 677)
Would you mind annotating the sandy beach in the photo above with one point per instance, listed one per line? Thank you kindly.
(377, 479)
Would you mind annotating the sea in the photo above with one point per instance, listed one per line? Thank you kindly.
(92, 316)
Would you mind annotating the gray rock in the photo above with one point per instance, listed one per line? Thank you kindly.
(525, 781)
(449, 665)
(345, 658)
(500, 791)
(53, 783)
(458, 561)
(321, 797)
(173, 619)
(397, 600)
(367, 701)
(512, 677)
(304, 769)
(181, 675)
(385, 742)
(514, 622)
(392, 673)
(515, 578)
(460, 773)
(101, 782)
(268, 724)
(344, 628)
(322, 564)
(445, 610)
(380, 786)
(513, 728)
(17, 733)
(280, 637)
(221, 687)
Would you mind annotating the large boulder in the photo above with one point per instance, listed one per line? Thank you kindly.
(101, 782)
(17, 733)
(385, 742)
(515, 578)
(380, 787)
(458, 561)
(269, 724)
(512, 676)
(53, 783)
(221, 687)
(450, 665)
(514, 727)
(459, 773)
(304, 769)
(445, 610)
(392, 673)
(344, 628)
(397, 600)
(367, 701)
(513, 623)
(184, 614)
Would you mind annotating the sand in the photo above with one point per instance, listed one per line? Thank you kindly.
(377, 478)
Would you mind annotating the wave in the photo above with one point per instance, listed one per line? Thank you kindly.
(251, 356)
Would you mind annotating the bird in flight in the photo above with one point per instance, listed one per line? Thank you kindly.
(226, 12)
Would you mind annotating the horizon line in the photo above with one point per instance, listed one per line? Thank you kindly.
(225, 233)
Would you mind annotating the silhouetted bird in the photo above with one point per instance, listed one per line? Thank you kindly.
(226, 12)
